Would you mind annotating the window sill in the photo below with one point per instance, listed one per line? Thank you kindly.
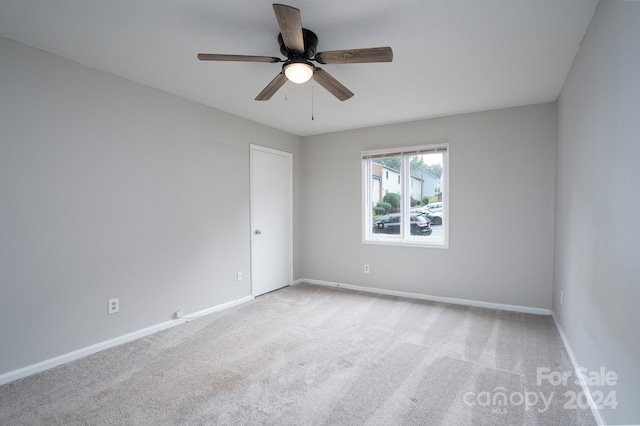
(436, 244)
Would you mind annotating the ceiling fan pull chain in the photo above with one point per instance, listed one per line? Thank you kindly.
(312, 92)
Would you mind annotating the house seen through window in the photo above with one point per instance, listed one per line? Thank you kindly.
(406, 196)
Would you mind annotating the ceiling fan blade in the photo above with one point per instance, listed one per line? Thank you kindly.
(290, 26)
(331, 84)
(242, 58)
(272, 87)
(355, 56)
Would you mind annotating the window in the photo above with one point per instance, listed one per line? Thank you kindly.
(418, 198)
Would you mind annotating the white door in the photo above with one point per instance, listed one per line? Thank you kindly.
(271, 219)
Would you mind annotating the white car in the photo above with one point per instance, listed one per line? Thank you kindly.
(435, 217)
(434, 207)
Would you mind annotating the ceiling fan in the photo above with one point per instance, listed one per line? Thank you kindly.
(299, 46)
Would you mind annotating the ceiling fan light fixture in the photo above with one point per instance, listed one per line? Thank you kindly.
(298, 72)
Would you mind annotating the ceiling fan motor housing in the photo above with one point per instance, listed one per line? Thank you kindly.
(310, 44)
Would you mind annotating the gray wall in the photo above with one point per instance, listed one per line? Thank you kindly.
(112, 189)
(597, 253)
(502, 177)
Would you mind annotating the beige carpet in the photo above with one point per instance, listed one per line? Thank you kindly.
(311, 355)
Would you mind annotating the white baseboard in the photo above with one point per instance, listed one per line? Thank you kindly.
(82, 352)
(452, 300)
(576, 371)
(217, 308)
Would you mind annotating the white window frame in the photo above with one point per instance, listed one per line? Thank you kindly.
(405, 238)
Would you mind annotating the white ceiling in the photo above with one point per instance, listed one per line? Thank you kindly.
(450, 56)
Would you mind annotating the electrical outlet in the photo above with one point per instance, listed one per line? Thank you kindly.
(239, 275)
(366, 269)
(114, 306)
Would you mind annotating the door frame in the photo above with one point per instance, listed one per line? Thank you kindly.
(252, 149)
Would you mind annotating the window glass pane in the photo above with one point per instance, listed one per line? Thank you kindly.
(386, 195)
(426, 177)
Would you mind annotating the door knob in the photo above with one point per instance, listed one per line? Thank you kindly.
(258, 232)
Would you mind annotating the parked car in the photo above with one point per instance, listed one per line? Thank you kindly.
(434, 217)
(390, 224)
(434, 207)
